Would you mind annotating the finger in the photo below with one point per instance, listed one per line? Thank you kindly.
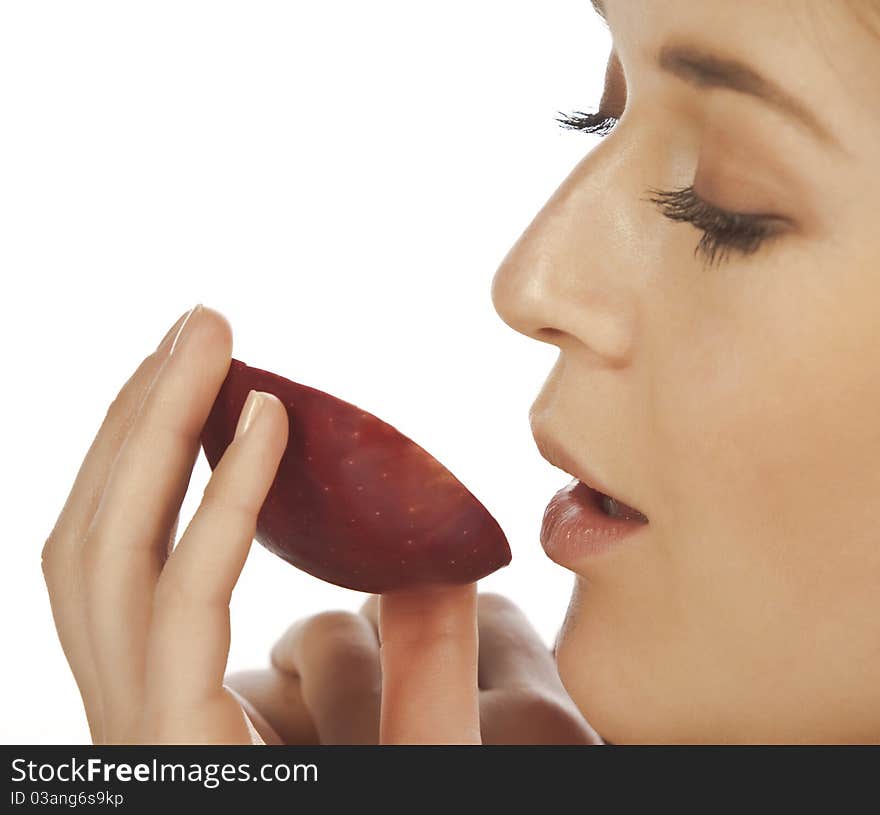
(62, 567)
(523, 700)
(127, 541)
(82, 501)
(370, 610)
(555, 643)
(429, 646)
(265, 731)
(189, 636)
(512, 653)
(277, 697)
(517, 716)
(335, 654)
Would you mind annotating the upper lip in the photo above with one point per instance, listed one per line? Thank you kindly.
(559, 457)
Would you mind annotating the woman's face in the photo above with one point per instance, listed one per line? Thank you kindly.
(737, 404)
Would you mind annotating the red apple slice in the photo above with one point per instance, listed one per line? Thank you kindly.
(355, 502)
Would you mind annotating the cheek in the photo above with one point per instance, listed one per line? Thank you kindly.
(768, 418)
(765, 446)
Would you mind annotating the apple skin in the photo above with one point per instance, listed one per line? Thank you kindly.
(354, 501)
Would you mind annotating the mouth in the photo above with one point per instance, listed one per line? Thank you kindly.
(610, 503)
(584, 518)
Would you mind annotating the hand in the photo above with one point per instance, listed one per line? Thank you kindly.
(325, 684)
(144, 628)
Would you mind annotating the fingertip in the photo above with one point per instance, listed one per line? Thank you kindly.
(275, 408)
(219, 327)
(206, 341)
(274, 404)
(267, 410)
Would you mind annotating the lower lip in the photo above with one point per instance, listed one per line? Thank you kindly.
(575, 525)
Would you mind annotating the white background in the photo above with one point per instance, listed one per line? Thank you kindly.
(341, 180)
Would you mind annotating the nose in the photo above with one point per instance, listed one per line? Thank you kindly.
(570, 278)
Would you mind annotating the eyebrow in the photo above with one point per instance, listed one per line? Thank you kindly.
(706, 70)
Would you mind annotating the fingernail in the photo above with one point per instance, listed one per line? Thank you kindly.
(170, 339)
(249, 412)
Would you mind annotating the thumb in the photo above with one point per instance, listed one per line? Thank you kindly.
(428, 651)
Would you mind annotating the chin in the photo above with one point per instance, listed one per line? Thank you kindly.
(611, 712)
(619, 688)
(597, 685)
(631, 695)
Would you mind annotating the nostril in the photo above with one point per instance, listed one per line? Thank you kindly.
(549, 334)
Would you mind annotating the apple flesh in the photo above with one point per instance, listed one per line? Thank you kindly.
(354, 501)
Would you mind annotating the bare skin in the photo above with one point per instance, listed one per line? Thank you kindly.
(145, 627)
(734, 404)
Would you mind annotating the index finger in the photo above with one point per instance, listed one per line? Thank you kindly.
(130, 534)
(428, 649)
(61, 552)
(88, 486)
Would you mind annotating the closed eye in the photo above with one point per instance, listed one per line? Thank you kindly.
(723, 231)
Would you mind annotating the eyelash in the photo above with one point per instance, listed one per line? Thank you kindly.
(723, 231)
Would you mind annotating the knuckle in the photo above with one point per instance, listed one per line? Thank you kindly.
(544, 711)
(492, 603)
(371, 605)
(352, 658)
(529, 699)
(340, 637)
(48, 559)
(494, 600)
(529, 704)
(420, 640)
(333, 625)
